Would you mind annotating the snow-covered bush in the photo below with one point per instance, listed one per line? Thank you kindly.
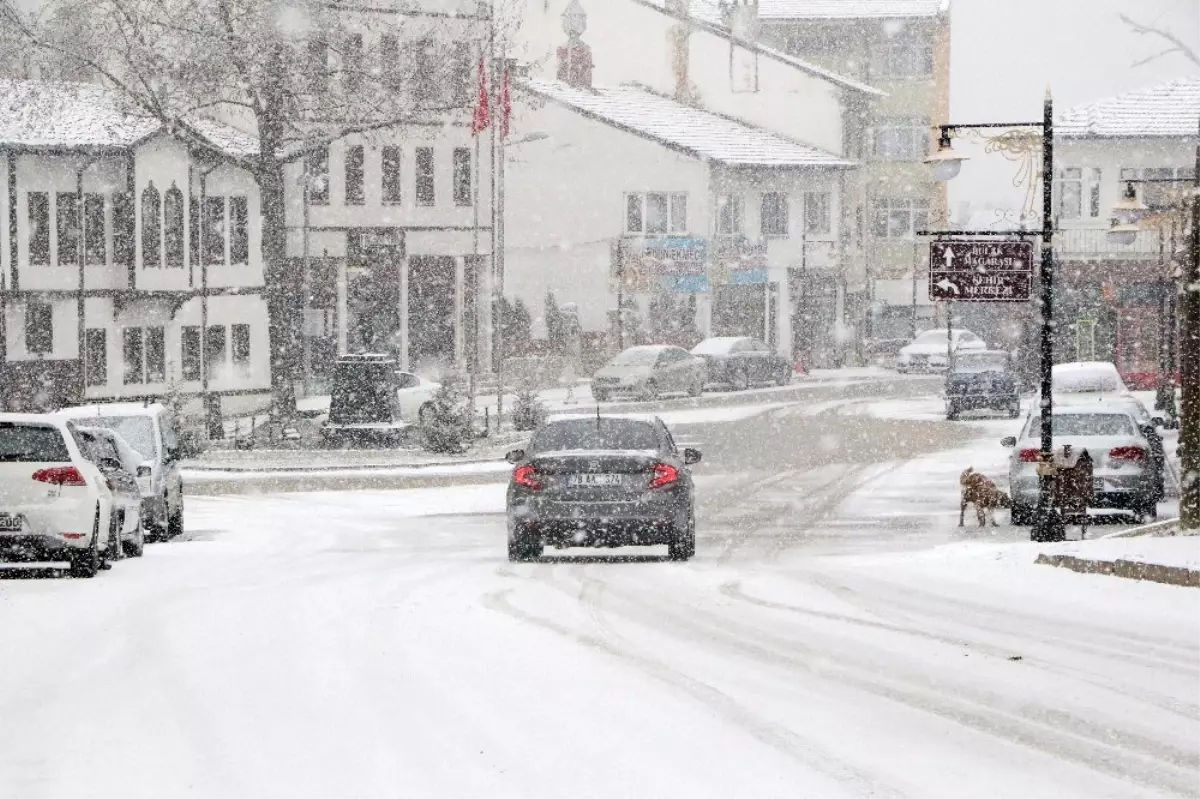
(448, 425)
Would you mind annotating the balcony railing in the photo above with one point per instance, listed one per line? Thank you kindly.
(1094, 244)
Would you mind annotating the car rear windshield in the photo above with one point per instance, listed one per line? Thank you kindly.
(138, 431)
(595, 434)
(981, 362)
(31, 443)
(1086, 424)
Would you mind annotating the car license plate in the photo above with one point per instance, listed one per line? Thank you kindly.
(11, 524)
(594, 480)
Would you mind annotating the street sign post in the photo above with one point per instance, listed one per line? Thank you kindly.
(980, 271)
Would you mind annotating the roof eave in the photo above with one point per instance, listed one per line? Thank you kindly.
(21, 148)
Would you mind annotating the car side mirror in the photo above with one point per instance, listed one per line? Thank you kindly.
(515, 456)
(145, 470)
(1008, 441)
(691, 456)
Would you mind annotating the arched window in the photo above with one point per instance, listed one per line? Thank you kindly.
(173, 226)
(151, 226)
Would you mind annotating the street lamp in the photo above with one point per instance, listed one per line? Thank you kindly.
(945, 162)
(946, 165)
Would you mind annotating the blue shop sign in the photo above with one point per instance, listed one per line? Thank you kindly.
(747, 277)
(686, 284)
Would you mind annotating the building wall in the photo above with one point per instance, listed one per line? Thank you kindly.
(856, 48)
(566, 206)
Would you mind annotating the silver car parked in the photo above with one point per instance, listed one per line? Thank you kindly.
(648, 371)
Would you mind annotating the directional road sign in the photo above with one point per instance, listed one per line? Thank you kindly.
(981, 271)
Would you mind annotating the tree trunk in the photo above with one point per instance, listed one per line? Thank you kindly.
(283, 290)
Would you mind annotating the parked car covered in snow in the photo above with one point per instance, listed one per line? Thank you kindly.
(648, 371)
(1086, 379)
(928, 351)
(740, 361)
(151, 432)
(119, 464)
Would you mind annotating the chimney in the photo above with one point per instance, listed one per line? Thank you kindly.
(575, 58)
(742, 16)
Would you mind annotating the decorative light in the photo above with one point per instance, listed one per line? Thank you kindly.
(1130, 208)
(945, 162)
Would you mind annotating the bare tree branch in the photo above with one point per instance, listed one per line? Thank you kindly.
(1177, 44)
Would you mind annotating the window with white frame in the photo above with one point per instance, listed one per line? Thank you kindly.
(817, 217)
(1157, 195)
(899, 217)
(904, 58)
(901, 138)
(731, 215)
(1070, 193)
(655, 213)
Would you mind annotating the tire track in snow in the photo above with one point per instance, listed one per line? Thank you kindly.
(766, 732)
(1059, 734)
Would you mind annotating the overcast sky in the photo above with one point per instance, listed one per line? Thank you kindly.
(1004, 53)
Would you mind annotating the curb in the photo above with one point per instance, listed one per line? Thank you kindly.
(1132, 570)
(1163, 529)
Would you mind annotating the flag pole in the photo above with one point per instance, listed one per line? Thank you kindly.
(497, 232)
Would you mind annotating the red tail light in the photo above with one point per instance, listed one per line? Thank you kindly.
(664, 475)
(526, 477)
(1030, 456)
(60, 475)
(1136, 454)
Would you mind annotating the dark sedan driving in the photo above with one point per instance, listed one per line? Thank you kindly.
(595, 481)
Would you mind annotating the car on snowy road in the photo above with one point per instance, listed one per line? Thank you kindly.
(55, 503)
(739, 362)
(1123, 472)
(648, 371)
(594, 481)
(982, 379)
(927, 352)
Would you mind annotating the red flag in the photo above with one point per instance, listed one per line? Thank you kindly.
(483, 115)
(505, 105)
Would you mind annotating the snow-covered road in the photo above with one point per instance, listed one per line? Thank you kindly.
(377, 643)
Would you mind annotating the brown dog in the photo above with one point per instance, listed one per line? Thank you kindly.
(981, 492)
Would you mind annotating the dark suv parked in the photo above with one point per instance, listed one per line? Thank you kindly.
(982, 379)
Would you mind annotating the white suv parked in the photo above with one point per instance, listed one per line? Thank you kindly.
(55, 504)
(150, 431)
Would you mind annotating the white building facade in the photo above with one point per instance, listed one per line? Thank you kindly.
(684, 136)
(110, 288)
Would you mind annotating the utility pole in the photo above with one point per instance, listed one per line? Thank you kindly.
(1189, 361)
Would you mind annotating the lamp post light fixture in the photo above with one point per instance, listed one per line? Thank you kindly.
(946, 164)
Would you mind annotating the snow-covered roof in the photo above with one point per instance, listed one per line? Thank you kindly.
(690, 130)
(1168, 109)
(59, 115)
(66, 115)
(706, 15)
(778, 10)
